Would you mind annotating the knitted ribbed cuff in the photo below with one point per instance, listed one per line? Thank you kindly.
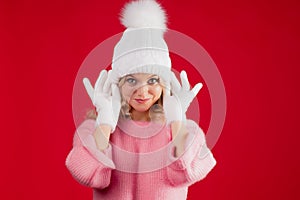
(105, 156)
(180, 163)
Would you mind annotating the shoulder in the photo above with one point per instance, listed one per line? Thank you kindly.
(194, 129)
(88, 123)
(190, 124)
(87, 127)
(84, 132)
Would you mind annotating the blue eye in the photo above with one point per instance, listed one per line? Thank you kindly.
(153, 81)
(131, 81)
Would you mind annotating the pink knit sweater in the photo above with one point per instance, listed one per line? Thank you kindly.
(139, 162)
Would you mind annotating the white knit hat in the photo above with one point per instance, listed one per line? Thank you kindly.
(142, 48)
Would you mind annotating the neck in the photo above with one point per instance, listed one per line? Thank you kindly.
(140, 116)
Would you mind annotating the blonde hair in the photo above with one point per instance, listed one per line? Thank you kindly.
(156, 112)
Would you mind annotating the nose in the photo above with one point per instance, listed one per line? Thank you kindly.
(142, 91)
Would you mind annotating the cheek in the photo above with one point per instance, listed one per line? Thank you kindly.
(156, 91)
(126, 93)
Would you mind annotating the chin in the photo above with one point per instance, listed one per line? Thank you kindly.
(141, 108)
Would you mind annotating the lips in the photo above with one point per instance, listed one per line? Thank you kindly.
(142, 101)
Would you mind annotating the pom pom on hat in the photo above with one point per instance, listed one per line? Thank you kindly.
(143, 14)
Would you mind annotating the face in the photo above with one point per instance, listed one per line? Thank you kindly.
(141, 91)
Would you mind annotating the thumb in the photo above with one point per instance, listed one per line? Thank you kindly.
(197, 88)
(88, 87)
(167, 91)
(115, 92)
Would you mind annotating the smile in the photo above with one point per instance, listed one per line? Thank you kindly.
(142, 101)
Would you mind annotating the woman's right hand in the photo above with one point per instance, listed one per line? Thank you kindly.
(106, 98)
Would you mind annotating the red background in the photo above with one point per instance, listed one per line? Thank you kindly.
(255, 45)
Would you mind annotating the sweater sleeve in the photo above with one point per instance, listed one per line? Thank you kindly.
(86, 163)
(196, 161)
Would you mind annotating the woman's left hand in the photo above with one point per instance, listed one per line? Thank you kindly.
(179, 99)
(175, 106)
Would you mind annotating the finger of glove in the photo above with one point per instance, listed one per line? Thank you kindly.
(197, 88)
(88, 87)
(100, 81)
(167, 90)
(107, 83)
(116, 101)
(175, 83)
(116, 93)
(184, 80)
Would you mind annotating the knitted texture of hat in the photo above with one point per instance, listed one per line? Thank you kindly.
(142, 48)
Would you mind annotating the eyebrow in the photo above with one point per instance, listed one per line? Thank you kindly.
(153, 75)
(150, 76)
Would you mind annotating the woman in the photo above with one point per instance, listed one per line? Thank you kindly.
(140, 146)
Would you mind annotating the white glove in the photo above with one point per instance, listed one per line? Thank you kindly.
(106, 98)
(176, 105)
